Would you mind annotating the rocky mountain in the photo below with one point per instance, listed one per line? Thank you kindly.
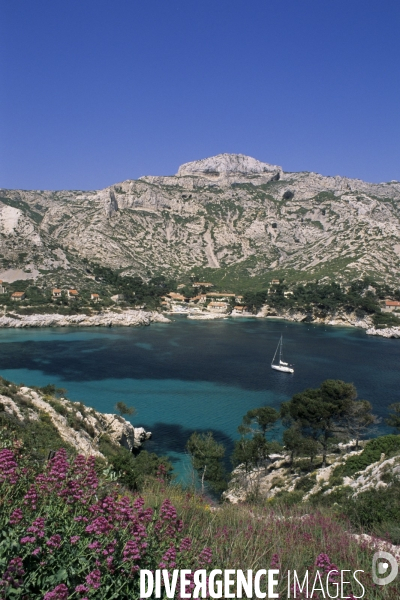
(230, 214)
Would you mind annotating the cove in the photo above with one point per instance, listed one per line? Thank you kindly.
(190, 376)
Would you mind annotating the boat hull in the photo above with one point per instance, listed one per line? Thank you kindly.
(282, 369)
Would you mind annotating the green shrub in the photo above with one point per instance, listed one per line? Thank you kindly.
(131, 470)
(58, 407)
(305, 484)
(285, 498)
(387, 444)
(375, 507)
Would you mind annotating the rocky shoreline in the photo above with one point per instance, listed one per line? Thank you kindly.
(128, 318)
(28, 404)
(387, 332)
(138, 318)
(338, 318)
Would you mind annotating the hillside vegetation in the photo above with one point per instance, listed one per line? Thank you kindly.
(79, 525)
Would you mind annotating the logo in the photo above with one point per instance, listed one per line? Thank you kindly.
(380, 564)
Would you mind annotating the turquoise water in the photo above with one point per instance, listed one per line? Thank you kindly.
(189, 375)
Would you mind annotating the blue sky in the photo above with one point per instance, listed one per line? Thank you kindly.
(93, 92)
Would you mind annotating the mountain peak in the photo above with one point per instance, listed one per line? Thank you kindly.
(226, 163)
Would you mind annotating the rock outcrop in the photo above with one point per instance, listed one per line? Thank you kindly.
(127, 318)
(338, 317)
(29, 404)
(123, 433)
(227, 164)
(387, 332)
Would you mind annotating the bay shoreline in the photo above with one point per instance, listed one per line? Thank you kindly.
(139, 318)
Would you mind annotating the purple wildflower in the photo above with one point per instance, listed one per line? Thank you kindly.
(60, 592)
(93, 579)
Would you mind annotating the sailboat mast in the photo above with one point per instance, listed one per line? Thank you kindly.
(280, 350)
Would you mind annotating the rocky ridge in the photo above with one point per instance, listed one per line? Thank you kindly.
(277, 475)
(126, 318)
(28, 404)
(224, 212)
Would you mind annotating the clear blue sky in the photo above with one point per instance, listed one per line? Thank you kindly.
(93, 92)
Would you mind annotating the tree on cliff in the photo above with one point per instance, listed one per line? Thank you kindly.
(122, 409)
(394, 418)
(263, 418)
(359, 420)
(207, 459)
(322, 413)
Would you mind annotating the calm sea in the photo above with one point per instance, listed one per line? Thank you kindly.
(203, 376)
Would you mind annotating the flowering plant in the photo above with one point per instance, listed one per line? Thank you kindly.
(64, 536)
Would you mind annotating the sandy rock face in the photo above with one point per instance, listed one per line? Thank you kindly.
(128, 318)
(123, 432)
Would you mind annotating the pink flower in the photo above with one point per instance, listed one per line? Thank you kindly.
(131, 551)
(205, 557)
(16, 516)
(81, 589)
(186, 545)
(54, 541)
(60, 592)
(37, 527)
(169, 558)
(74, 539)
(13, 575)
(275, 561)
(93, 579)
(27, 540)
(8, 467)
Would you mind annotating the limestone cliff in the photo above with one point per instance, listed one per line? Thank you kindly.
(228, 212)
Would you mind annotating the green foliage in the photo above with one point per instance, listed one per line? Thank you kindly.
(320, 413)
(51, 390)
(263, 418)
(38, 437)
(123, 409)
(58, 407)
(385, 319)
(293, 441)
(133, 471)
(286, 499)
(374, 507)
(207, 458)
(305, 484)
(134, 289)
(394, 418)
(386, 444)
(253, 452)
(255, 300)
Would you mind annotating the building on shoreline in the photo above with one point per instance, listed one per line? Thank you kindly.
(18, 296)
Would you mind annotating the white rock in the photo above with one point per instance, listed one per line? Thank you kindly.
(128, 318)
(227, 163)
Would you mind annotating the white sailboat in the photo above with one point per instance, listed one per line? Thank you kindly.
(282, 366)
